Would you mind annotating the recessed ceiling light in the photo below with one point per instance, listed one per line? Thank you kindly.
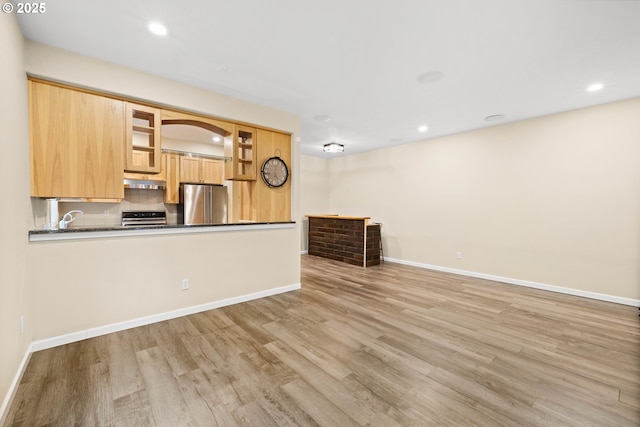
(158, 29)
(217, 139)
(494, 118)
(595, 87)
(430, 77)
(423, 128)
(222, 68)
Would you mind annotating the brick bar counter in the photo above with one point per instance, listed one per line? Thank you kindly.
(348, 239)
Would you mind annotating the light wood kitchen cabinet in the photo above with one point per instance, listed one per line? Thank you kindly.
(212, 171)
(171, 172)
(200, 170)
(142, 150)
(189, 169)
(146, 176)
(240, 147)
(255, 200)
(172, 117)
(83, 144)
(273, 204)
(76, 143)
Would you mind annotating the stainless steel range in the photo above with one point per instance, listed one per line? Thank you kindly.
(143, 218)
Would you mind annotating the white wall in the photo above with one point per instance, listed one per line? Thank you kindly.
(15, 292)
(67, 67)
(107, 281)
(553, 200)
(80, 285)
(314, 191)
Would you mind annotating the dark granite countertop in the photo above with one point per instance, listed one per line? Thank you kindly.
(92, 228)
(118, 230)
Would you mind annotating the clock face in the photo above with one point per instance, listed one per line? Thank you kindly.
(275, 172)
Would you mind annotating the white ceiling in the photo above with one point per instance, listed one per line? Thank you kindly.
(357, 61)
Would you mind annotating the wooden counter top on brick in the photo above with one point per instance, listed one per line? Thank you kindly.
(365, 218)
(348, 239)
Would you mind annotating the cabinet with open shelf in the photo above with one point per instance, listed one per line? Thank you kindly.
(142, 139)
(240, 148)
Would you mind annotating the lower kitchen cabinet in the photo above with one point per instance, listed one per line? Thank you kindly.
(77, 143)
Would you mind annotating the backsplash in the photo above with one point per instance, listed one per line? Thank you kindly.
(109, 214)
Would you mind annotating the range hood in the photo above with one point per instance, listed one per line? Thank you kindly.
(145, 184)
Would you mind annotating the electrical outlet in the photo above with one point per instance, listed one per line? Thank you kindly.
(185, 284)
(21, 325)
(106, 212)
(459, 255)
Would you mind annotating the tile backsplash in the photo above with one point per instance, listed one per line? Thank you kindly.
(109, 214)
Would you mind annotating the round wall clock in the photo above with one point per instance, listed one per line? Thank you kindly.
(274, 172)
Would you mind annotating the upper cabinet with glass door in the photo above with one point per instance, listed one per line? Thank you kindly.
(143, 139)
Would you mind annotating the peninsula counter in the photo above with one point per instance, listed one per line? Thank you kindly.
(349, 239)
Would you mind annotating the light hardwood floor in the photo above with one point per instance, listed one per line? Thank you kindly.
(383, 346)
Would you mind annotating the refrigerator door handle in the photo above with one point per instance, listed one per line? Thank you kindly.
(207, 206)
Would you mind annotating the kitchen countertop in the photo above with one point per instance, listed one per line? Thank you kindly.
(357, 218)
(93, 232)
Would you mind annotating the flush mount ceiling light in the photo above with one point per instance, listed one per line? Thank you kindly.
(216, 139)
(595, 87)
(423, 128)
(158, 29)
(333, 147)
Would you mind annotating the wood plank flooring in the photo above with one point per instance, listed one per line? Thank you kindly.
(389, 345)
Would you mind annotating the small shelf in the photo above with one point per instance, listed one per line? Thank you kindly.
(241, 148)
(142, 139)
(144, 148)
(144, 129)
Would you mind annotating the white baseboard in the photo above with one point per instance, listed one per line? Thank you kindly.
(305, 252)
(121, 326)
(14, 385)
(526, 283)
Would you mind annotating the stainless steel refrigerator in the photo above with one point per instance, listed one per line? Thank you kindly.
(202, 204)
